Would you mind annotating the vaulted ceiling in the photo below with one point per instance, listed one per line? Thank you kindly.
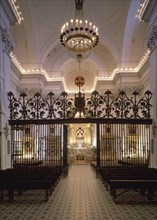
(37, 39)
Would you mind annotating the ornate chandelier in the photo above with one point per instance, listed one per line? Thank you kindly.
(79, 36)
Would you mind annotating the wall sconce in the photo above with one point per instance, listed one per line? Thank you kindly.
(6, 131)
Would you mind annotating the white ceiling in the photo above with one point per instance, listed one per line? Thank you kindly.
(37, 38)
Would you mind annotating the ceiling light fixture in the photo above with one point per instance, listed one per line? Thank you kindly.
(79, 36)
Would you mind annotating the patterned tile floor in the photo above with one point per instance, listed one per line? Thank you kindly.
(79, 196)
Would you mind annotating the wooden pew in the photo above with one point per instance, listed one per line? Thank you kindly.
(29, 183)
(107, 172)
(142, 178)
(21, 179)
(148, 185)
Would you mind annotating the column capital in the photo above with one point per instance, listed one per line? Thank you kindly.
(7, 43)
(152, 39)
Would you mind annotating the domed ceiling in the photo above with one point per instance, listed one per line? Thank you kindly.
(37, 39)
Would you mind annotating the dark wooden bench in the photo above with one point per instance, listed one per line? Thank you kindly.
(142, 178)
(24, 178)
(107, 173)
(143, 185)
(28, 163)
(29, 183)
(134, 162)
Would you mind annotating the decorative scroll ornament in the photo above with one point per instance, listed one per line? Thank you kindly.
(8, 45)
(79, 98)
(97, 106)
(152, 40)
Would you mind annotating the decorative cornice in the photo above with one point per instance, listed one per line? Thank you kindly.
(12, 11)
(98, 80)
(152, 39)
(16, 11)
(145, 10)
(8, 45)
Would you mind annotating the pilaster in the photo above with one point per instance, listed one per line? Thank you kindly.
(152, 45)
(5, 72)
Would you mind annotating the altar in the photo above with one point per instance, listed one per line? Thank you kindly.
(80, 157)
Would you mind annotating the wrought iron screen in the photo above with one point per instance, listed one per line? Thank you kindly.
(123, 122)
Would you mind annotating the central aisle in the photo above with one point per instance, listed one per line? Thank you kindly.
(82, 196)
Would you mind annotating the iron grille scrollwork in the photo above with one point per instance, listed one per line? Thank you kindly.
(97, 106)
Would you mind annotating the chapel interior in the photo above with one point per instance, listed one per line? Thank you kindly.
(78, 98)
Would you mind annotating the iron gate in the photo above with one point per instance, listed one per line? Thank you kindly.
(124, 144)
